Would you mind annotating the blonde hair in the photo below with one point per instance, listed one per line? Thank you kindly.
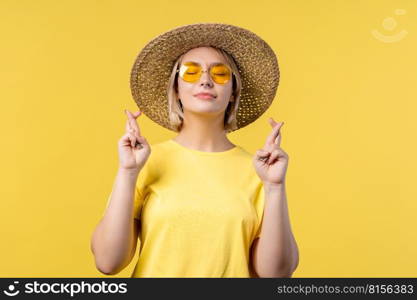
(175, 110)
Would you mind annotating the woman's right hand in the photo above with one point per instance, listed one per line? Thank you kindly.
(134, 149)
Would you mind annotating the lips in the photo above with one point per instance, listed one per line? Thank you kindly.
(204, 96)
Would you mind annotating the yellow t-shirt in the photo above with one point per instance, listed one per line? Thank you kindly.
(199, 211)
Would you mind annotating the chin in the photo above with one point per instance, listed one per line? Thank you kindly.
(206, 111)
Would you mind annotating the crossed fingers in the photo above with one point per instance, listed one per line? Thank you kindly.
(132, 125)
(272, 143)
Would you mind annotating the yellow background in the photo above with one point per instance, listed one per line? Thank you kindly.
(348, 100)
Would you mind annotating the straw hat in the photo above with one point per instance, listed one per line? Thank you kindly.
(255, 60)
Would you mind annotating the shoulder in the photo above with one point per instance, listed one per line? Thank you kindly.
(159, 148)
(244, 152)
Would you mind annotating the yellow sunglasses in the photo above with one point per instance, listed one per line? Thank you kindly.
(191, 72)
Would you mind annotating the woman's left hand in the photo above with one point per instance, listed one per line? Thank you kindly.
(271, 161)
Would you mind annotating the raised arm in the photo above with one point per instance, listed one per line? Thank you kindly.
(114, 239)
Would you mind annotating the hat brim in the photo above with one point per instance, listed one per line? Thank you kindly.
(255, 60)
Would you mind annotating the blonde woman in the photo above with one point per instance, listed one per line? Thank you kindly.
(198, 205)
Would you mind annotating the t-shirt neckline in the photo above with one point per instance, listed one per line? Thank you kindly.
(207, 153)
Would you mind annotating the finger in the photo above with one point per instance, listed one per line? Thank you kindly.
(278, 139)
(136, 114)
(272, 122)
(126, 139)
(135, 142)
(273, 135)
(132, 117)
(262, 155)
(128, 127)
(141, 142)
(138, 145)
(132, 139)
(132, 120)
(129, 139)
(274, 155)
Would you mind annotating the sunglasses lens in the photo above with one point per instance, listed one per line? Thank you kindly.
(190, 71)
(220, 73)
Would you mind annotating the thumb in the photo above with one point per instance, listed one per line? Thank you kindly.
(262, 153)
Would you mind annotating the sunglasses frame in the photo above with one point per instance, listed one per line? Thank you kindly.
(208, 70)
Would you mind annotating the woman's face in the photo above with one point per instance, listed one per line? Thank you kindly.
(216, 106)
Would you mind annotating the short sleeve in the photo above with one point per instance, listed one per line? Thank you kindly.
(137, 202)
(259, 204)
(140, 191)
(138, 194)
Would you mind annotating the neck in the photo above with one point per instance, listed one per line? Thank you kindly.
(203, 133)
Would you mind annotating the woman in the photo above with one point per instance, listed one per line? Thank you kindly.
(199, 205)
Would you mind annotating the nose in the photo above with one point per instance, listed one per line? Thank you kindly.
(205, 79)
